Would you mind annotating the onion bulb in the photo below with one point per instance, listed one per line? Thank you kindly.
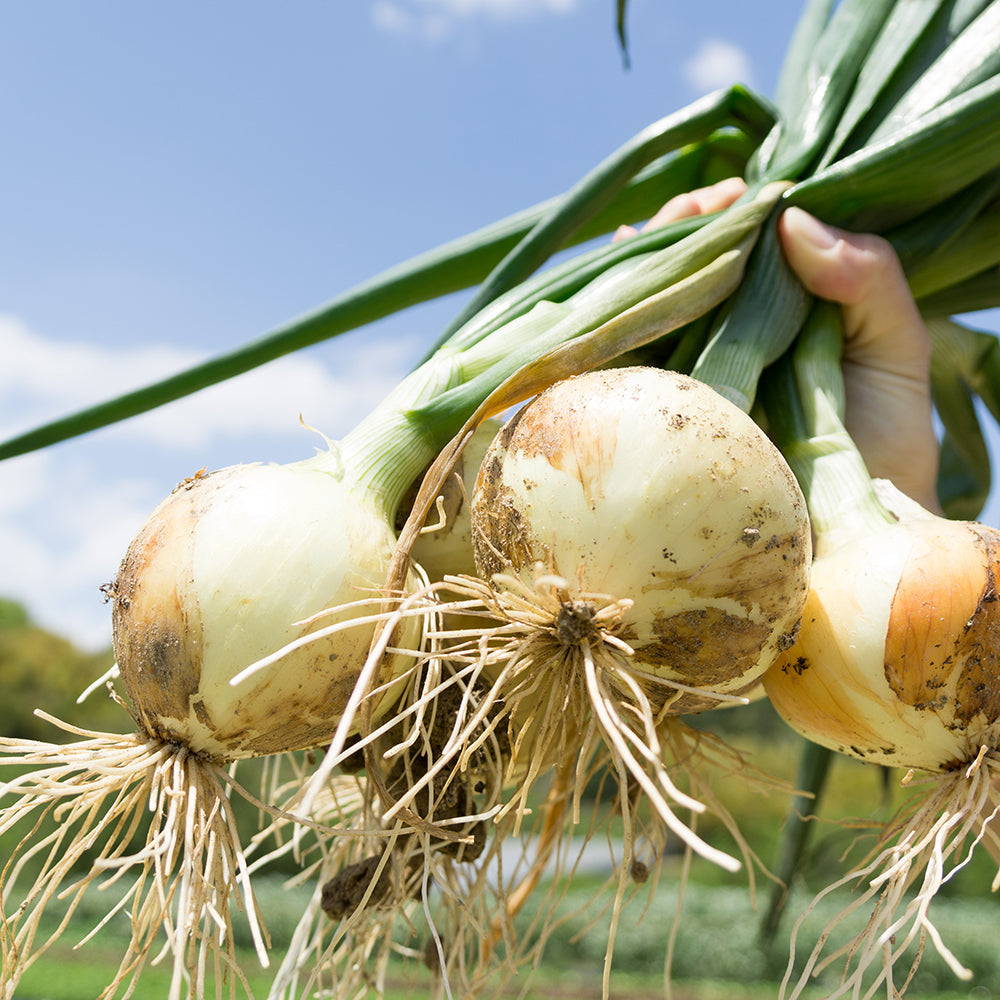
(895, 663)
(898, 658)
(647, 486)
(646, 550)
(243, 613)
(898, 663)
(231, 568)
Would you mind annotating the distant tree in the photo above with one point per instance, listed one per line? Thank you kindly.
(41, 670)
(12, 614)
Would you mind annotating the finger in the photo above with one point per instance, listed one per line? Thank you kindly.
(623, 233)
(882, 325)
(702, 201)
(886, 348)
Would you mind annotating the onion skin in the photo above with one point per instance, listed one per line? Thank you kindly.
(646, 485)
(448, 550)
(217, 579)
(898, 658)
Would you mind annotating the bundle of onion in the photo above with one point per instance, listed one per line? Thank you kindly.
(246, 618)
(895, 663)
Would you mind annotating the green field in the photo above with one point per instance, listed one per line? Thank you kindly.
(717, 955)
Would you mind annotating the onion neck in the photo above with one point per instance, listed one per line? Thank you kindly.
(804, 399)
(741, 346)
(392, 446)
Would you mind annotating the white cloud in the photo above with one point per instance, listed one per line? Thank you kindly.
(42, 379)
(717, 63)
(67, 514)
(63, 528)
(500, 8)
(435, 19)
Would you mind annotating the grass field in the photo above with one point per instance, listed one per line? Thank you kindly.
(717, 955)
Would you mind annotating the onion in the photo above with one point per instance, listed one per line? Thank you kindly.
(896, 663)
(647, 486)
(243, 612)
(193, 603)
(898, 660)
(648, 549)
(250, 617)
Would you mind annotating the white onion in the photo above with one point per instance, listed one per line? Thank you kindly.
(898, 658)
(646, 485)
(644, 552)
(224, 573)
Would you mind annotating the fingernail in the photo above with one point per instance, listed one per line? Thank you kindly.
(822, 236)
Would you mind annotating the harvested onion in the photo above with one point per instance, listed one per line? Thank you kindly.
(648, 550)
(194, 603)
(647, 486)
(896, 662)
(235, 573)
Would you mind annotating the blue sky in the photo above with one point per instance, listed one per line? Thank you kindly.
(179, 178)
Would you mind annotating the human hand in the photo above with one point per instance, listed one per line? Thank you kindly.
(887, 348)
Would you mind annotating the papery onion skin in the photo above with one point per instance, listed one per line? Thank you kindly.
(217, 579)
(448, 550)
(898, 658)
(647, 485)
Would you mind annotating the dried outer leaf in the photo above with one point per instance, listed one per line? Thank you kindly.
(883, 186)
(826, 85)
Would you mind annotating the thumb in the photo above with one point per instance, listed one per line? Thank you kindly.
(861, 272)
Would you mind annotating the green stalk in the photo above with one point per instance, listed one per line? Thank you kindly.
(448, 268)
(963, 480)
(614, 293)
(804, 401)
(950, 18)
(733, 107)
(801, 50)
(629, 305)
(974, 247)
(559, 282)
(935, 248)
(981, 291)
(907, 25)
(971, 58)
(889, 183)
(758, 325)
(828, 74)
(810, 780)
